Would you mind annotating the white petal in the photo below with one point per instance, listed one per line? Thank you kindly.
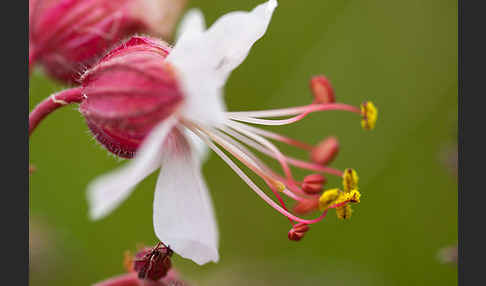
(183, 212)
(193, 22)
(198, 145)
(232, 36)
(106, 192)
(205, 60)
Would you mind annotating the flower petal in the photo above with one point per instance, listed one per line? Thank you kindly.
(183, 211)
(233, 35)
(205, 60)
(106, 192)
(193, 22)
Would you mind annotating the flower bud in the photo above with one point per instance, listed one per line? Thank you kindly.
(313, 184)
(127, 93)
(322, 90)
(153, 263)
(298, 231)
(325, 151)
(68, 36)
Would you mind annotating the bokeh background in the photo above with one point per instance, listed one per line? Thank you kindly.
(400, 54)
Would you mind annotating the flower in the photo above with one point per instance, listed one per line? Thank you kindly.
(68, 36)
(172, 129)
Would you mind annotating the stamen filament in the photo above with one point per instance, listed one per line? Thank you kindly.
(262, 165)
(278, 155)
(281, 138)
(275, 153)
(295, 110)
(204, 136)
(241, 156)
(290, 160)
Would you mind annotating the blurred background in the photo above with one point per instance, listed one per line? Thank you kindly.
(402, 55)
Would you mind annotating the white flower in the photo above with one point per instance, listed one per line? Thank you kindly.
(203, 59)
(183, 214)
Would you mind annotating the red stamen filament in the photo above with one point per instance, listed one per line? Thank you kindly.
(206, 135)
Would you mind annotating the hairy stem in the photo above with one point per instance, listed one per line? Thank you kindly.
(53, 102)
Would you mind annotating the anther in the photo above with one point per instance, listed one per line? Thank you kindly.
(344, 212)
(298, 231)
(369, 114)
(279, 186)
(313, 184)
(328, 198)
(350, 180)
(325, 151)
(306, 206)
(353, 196)
(322, 89)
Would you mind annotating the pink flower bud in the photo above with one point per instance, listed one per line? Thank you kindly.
(322, 89)
(68, 36)
(153, 263)
(298, 231)
(313, 184)
(127, 93)
(325, 151)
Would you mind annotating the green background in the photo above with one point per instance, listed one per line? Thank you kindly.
(402, 55)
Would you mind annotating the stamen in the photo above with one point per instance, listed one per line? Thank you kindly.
(350, 180)
(325, 151)
(290, 160)
(274, 152)
(276, 188)
(344, 212)
(328, 198)
(237, 153)
(313, 184)
(321, 89)
(298, 231)
(250, 183)
(295, 110)
(257, 161)
(280, 138)
(278, 155)
(369, 113)
(306, 206)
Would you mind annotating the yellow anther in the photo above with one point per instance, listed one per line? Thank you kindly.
(344, 212)
(279, 185)
(369, 114)
(349, 197)
(350, 180)
(328, 198)
(353, 196)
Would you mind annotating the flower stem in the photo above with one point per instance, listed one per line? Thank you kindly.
(53, 102)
